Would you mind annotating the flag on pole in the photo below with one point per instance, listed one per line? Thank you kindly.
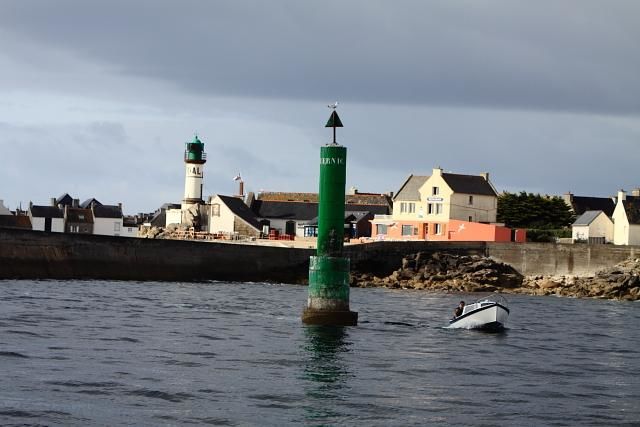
(237, 177)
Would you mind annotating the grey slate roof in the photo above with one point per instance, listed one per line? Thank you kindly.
(469, 184)
(409, 190)
(581, 204)
(305, 211)
(87, 203)
(64, 199)
(301, 211)
(46, 212)
(107, 211)
(466, 184)
(587, 217)
(240, 209)
(632, 208)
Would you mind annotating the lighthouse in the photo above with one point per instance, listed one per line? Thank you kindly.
(194, 160)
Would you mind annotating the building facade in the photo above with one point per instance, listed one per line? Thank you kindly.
(593, 227)
(425, 207)
(626, 219)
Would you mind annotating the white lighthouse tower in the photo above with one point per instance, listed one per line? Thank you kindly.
(194, 160)
(189, 214)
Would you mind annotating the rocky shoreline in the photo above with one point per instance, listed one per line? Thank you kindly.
(443, 272)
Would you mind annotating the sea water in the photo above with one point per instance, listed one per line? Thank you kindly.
(83, 353)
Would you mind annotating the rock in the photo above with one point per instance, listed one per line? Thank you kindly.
(548, 284)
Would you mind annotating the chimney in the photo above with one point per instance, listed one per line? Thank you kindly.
(30, 204)
(241, 188)
(621, 195)
(437, 171)
(53, 201)
(352, 191)
(76, 203)
(568, 198)
(485, 175)
(391, 194)
(635, 192)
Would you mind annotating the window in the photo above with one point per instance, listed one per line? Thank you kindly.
(406, 207)
(381, 228)
(437, 228)
(407, 230)
(116, 226)
(434, 208)
(435, 191)
(470, 200)
(470, 219)
(215, 209)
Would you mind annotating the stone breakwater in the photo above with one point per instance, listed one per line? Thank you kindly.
(443, 272)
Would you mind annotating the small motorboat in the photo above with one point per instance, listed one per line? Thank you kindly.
(489, 313)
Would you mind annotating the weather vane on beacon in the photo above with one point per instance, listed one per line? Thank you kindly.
(334, 120)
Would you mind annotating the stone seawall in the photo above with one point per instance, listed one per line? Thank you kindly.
(34, 255)
(40, 255)
(549, 259)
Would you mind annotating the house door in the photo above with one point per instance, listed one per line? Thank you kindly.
(47, 224)
(425, 231)
(290, 228)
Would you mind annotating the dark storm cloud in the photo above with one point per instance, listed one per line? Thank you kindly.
(547, 55)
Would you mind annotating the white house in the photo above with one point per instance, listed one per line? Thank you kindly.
(107, 220)
(231, 216)
(626, 219)
(592, 227)
(46, 218)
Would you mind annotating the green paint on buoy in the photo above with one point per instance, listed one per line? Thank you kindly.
(328, 302)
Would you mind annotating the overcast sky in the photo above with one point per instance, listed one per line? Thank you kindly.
(98, 98)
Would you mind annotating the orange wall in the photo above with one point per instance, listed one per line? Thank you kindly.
(475, 231)
(455, 230)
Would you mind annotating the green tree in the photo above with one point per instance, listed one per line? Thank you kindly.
(533, 211)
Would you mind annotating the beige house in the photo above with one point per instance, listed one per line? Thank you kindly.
(444, 196)
(626, 219)
(424, 205)
(592, 227)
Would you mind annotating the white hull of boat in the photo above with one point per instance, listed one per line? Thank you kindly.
(491, 317)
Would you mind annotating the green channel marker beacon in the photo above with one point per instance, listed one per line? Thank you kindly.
(328, 301)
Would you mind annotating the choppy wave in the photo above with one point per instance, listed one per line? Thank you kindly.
(130, 353)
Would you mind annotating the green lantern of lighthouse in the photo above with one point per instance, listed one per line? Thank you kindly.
(328, 300)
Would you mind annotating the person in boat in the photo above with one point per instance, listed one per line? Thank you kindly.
(459, 309)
